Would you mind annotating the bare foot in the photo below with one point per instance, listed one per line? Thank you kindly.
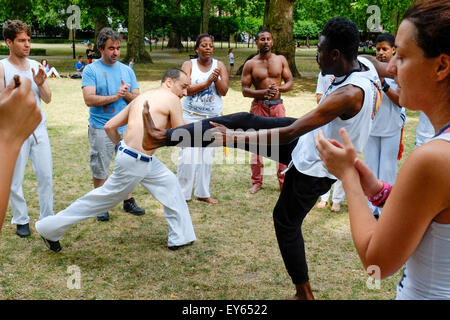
(304, 292)
(153, 137)
(208, 200)
(336, 207)
(322, 204)
(254, 189)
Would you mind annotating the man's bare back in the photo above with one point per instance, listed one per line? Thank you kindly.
(164, 107)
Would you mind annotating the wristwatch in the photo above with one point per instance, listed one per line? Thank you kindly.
(385, 86)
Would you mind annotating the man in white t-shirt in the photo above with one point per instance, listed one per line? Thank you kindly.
(323, 83)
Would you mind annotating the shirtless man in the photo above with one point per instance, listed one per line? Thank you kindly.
(265, 71)
(134, 165)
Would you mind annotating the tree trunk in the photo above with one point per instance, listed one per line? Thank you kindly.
(174, 35)
(278, 20)
(100, 22)
(206, 11)
(174, 40)
(135, 43)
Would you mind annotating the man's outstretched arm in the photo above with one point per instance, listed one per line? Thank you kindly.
(255, 130)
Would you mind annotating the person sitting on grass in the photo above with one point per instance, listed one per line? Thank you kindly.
(79, 67)
(50, 72)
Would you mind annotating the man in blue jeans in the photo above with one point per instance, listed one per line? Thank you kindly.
(108, 87)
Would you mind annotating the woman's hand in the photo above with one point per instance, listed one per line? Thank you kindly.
(338, 159)
(19, 113)
(342, 159)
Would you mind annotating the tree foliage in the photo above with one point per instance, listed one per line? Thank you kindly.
(160, 16)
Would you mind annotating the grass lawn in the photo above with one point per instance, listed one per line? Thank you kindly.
(236, 255)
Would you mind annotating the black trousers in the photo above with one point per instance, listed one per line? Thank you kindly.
(196, 134)
(299, 194)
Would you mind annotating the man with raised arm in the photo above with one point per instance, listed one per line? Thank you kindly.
(108, 86)
(133, 166)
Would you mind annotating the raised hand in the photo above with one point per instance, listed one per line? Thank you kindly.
(40, 76)
(214, 76)
(19, 113)
(337, 158)
(153, 137)
(123, 89)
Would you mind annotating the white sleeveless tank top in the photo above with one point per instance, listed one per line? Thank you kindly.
(426, 274)
(208, 101)
(305, 156)
(11, 71)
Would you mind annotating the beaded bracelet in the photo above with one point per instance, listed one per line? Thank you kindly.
(379, 199)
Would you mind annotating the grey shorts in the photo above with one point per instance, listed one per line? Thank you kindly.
(101, 152)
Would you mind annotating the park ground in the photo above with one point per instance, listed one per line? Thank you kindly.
(236, 255)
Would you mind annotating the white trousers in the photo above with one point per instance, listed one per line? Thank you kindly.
(52, 71)
(380, 155)
(195, 164)
(338, 193)
(128, 173)
(37, 148)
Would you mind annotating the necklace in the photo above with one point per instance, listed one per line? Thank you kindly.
(444, 129)
(339, 80)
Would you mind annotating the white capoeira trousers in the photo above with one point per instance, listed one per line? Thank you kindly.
(195, 164)
(128, 173)
(338, 193)
(37, 148)
(380, 155)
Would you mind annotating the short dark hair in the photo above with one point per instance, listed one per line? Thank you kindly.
(262, 30)
(432, 21)
(173, 73)
(200, 37)
(104, 35)
(386, 37)
(79, 57)
(343, 35)
(13, 27)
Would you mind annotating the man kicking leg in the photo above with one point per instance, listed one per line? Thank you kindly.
(133, 166)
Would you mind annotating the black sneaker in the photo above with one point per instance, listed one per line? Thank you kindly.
(52, 245)
(23, 230)
(174, 248)
(103, 216)
(130, 206)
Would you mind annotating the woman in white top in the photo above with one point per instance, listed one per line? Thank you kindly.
(415, 225)
(208, 83)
